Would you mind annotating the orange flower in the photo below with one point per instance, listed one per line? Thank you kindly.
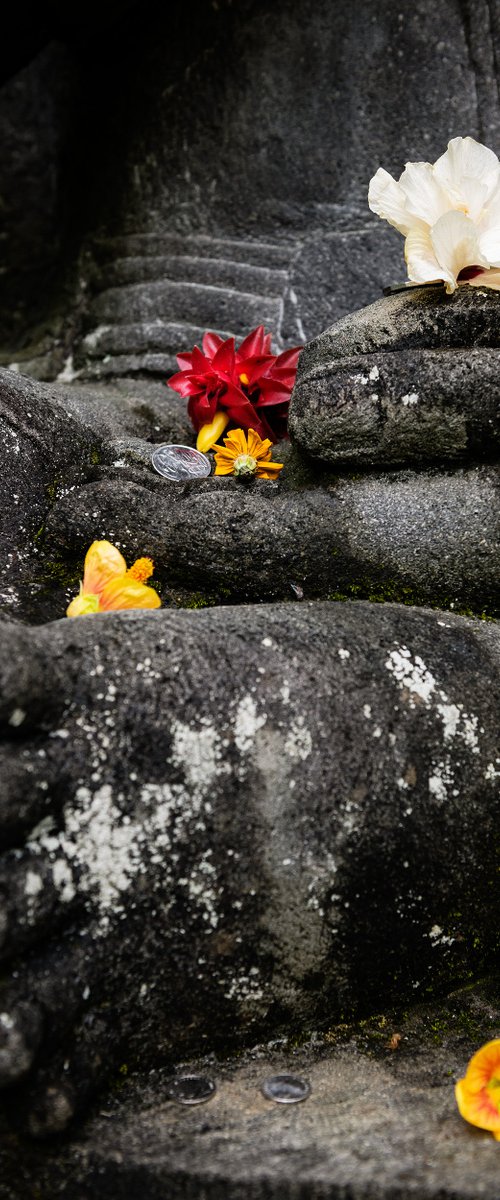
(108, 585)
(478, 1094)
(243, 457)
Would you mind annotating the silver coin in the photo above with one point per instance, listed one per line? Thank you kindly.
(191, 1089)
(286, 1089)
(178, 463)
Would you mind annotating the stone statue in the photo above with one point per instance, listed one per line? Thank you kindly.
(227, 829)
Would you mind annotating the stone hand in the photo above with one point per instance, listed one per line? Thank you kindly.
(195, 814)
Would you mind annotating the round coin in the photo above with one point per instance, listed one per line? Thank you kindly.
(178, 463)
(191, 1089)
(286, 1089)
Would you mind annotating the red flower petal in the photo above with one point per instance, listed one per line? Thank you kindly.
(202, 410)
(211, 344)
(185, 360)
(223, 361)
(183, 384)
(254, 343)
(200, 364)
(211, 380)
(289, 358)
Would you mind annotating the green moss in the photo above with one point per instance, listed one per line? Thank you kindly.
(384, 590)
(184, 599)
(66, 575)
(52, 488)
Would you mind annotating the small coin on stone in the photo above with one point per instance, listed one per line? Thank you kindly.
(191, 1089)
(286, 1089)
(178, 463)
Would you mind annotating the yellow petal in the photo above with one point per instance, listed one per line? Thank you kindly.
(126, 593)
(102, 562)
(268, 470)
(258, 447)
(236, 442)
(224, 468)
(210, 434)
(83, 605)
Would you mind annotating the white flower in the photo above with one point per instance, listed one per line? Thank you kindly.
(449, 213)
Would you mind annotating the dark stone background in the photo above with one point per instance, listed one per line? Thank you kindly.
(231, 118)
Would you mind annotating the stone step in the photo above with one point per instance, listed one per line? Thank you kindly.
(216, 272)
(120, 365)
(185, 302)
(140, 348)
(141, 337)
(257, 253)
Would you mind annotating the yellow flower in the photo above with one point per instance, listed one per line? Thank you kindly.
(478, 1094)
(108, 585)
(243, 457)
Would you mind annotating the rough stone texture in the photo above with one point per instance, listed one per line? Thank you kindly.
(411, 378)
(206, 164)
(52, 438)
(196, 808)
(416, 406)
(224, 541)
(415, 318)
(331, 274)
(76, 469)
(239, 123)
(381, 1122)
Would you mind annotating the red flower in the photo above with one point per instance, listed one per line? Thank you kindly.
(248, 386)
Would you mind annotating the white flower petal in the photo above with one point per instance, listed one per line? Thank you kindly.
(489, 243)
(425, 198)
(467, 159)
(489, 279)
(387, 200)
(489, 230)
(455, 243)
(421, 261)
(471, 198)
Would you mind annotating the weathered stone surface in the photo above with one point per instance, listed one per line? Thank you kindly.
(213, 795)
(183, 151)
(128, 408)
(224, 541)
(77, 470)
(381, 1093)
(423, 317)
(411, 378)
(39, 449)
(413, 406)
(53, 437)
(333, 273)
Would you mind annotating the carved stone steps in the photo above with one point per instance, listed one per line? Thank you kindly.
(154, 295)
(203, 304)
(217, 272)
(258, 253)
(141, 337)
